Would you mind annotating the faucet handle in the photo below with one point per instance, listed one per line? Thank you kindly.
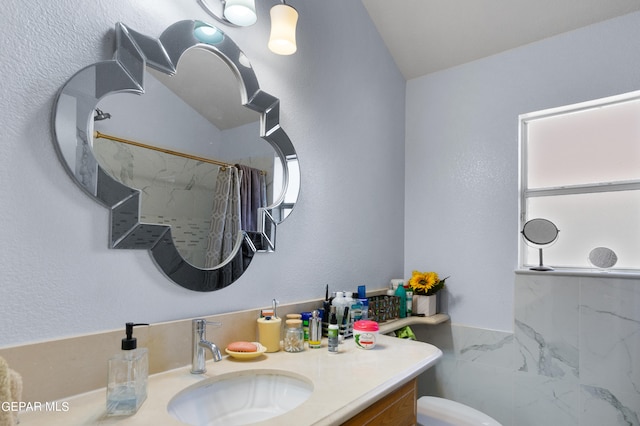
(205, 322)
(200, 324)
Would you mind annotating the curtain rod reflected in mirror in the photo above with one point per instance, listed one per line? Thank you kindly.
(99, 135)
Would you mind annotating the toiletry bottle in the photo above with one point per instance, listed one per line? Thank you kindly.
(365, 308)
(338, 304)
(346, 319)
(362, 292)
(127, 376)
(315, 330)
(403, 300)
(306, 317)
(356, 310)
(348, 299)
(333, 332)
(409, 294)
(326, 308)
(345, 327)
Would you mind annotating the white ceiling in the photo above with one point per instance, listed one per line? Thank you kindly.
(425, 36)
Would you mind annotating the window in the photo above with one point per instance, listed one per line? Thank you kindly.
(580, 169)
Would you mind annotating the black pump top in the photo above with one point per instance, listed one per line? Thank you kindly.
(130, 342)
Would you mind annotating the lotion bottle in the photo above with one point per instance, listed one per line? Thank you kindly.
(127, 376)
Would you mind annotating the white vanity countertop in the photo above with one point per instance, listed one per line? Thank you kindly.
(344, 384)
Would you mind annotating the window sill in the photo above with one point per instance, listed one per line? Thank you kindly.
(634, 275)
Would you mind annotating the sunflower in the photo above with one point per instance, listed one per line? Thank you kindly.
(426, 283)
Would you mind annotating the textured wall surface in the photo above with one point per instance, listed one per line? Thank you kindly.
(342, 102)
(462, 156)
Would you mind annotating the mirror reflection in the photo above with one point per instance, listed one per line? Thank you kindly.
(178, 143)
(181, 162)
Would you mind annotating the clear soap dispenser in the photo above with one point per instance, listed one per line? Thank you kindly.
(127, 378)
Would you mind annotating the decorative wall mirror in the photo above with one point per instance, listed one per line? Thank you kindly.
(197, 174)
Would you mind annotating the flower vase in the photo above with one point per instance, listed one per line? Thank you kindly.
(425, 305)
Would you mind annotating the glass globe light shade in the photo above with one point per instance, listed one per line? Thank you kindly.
(284, 19)
(240, 12)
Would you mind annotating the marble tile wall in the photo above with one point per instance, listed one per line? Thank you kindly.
(175, 191)
(573, 357)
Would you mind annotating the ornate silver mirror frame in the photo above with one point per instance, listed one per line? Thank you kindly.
(73, 135)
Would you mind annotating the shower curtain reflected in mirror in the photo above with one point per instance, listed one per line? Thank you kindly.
(253, 195)
(225, 217)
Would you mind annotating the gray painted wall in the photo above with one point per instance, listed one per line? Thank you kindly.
(342, 101)
(462, 156)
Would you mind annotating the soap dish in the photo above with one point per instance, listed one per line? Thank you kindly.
(248, 355)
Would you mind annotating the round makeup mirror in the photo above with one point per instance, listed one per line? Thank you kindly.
(539, 233)
(603, 258)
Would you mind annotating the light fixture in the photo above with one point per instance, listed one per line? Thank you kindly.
(207, 34)
(240, 12)
(282, 40)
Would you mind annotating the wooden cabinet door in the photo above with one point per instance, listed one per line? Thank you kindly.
(396, 409)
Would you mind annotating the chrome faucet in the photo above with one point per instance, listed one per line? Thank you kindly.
(200, 344)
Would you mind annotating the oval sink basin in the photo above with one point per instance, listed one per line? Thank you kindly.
(240, 398)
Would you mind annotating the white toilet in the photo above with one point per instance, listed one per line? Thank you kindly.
(434, 411)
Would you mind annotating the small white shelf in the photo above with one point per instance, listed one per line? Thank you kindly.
(389, 326)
